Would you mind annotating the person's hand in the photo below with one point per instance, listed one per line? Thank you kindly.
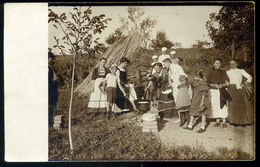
(216, 86)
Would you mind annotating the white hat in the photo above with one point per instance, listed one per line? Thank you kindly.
(173, 52)
(164, 49)
(155, 57)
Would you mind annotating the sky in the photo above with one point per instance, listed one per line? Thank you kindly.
(182, 24)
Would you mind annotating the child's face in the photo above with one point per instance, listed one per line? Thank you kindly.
(157, 69)
(183, 81)
(113, 70)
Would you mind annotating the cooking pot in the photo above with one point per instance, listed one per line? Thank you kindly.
(143, 106)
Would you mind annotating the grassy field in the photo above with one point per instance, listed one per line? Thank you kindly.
(119, 138)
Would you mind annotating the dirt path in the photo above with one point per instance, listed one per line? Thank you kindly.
(231, 137)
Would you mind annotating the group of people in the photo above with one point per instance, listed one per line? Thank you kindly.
(110, 92)
(221, 95)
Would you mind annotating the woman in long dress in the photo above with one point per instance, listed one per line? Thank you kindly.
(166, 103)
(122, 103)
(98, 97)
(218, 81)
(240, 109)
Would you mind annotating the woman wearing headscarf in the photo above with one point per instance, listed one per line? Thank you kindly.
(240, 109)
(218, 82)
(98, 97)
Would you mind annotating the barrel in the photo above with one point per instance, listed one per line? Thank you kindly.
(143, 106)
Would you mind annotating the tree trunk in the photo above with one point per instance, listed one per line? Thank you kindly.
(233, 48)
(71, 99)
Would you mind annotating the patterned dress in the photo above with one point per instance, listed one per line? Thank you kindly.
(98, 101)
(201, 88)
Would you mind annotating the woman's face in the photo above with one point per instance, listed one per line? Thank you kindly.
(217, 64)
(233, 64)
(124, 65)
(157, 69)
(103, 63)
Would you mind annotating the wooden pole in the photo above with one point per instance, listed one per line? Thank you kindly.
(233, 48)
(71, 99)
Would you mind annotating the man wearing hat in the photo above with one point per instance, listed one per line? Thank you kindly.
(175, 72)
(53, 88)
(164, 55)
(172, 54)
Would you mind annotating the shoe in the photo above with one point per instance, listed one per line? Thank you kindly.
(201, 130)
(188, 128)
(182, 123)
(216, 124)
(224, 126)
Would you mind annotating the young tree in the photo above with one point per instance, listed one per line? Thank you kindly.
(78, 39)
(232, 27)
(160, 41)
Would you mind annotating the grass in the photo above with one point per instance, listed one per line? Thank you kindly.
(119, 139)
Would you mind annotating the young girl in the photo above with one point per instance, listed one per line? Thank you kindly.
(200, 105)
(111, 81)
(183, 100)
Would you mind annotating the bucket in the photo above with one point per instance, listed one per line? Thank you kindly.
(143, 106)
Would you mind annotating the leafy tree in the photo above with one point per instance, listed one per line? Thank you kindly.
(114, 36)
(176, 45)
(235, 27)
(135, 21)
(201, 44)
(78, 39)
(160, 41)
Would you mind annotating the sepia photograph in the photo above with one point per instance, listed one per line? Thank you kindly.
(151, 82)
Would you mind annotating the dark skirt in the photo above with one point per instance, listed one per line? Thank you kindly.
(121, 101)
(240, 109)
(166, 106)
(111, 95)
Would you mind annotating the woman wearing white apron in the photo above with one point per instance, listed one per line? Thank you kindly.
(98, 97)
(218, 82)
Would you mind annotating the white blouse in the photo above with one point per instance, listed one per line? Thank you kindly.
(236, 75)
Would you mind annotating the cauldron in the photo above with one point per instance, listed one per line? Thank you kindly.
(143, 106)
